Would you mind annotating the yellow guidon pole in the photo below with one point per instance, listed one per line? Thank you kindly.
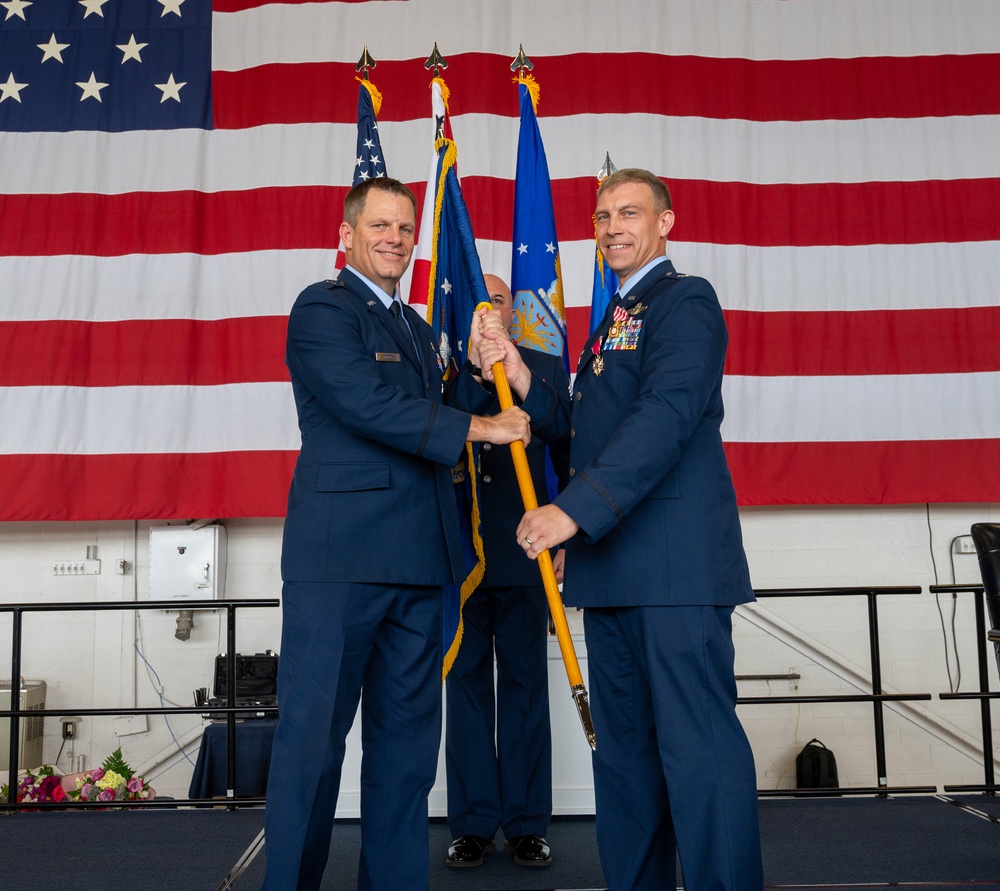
(556, 610)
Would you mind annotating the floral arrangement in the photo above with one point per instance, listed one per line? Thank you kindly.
(37, 785)
(113, 781)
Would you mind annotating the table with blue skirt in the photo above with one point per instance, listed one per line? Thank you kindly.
(253, 757)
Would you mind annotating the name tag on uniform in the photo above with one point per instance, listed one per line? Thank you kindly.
(388, 357)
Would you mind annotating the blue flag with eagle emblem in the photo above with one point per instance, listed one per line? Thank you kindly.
(536, 275)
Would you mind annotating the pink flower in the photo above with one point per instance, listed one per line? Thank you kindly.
(135, 785)
(106, 795)
(85, 791)
(97, 774)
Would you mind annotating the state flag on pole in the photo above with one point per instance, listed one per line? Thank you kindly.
(457, 287)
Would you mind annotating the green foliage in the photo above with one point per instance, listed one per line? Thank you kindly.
(115, 762)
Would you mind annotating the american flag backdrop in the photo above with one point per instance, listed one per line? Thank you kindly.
(172, 174)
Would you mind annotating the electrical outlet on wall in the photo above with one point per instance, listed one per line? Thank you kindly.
(70, 727)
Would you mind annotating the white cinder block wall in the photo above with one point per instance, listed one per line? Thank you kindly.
(89, 659)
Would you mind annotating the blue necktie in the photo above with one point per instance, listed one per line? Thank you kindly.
(396, 309)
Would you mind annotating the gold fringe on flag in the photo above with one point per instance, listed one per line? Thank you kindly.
(533, 88)
(445, 92)
(373, 92)
(475, 577)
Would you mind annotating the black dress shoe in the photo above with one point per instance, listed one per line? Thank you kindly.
(468, 850)
(530, 850)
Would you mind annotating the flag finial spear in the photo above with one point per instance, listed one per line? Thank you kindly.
(364, 63)
(435, 61)
(607, 169)
(521, 62)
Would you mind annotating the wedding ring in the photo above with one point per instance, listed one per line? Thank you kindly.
(528, 540)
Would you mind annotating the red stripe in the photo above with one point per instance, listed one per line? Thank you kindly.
(587, 83)
(186, 352)
(141, 487)
(865, 472)
(255, 484)
(143, 352)
(240, 5)
(420, 283)
(282, 218)
(914, 341)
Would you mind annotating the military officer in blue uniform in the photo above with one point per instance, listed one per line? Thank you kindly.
(654, 554)
(498, 742)
(370, 537)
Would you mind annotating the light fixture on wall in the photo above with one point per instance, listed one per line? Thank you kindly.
(187, 563)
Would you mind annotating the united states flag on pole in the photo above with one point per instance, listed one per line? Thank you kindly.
(833, 167)
(370, 162)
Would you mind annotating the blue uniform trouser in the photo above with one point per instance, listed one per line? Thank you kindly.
(498, 749)
(341, 643)
(673, 771)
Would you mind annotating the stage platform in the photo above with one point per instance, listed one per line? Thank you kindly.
(930, 843)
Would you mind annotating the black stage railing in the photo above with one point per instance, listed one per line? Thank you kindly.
(877, 698)
(983, 695)
(230, 710)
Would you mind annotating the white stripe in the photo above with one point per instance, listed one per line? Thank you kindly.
(756, 29)
(158, 286)
(261, 416)
(115, 420)
(861, 408)
(777, 279)
(895, 150)
(817, 279)
(834, 278)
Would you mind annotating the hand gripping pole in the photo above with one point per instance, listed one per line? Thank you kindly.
(556, 609)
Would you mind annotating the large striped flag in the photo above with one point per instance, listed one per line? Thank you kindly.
(536, 275)
(833, 168)
(456, 289)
